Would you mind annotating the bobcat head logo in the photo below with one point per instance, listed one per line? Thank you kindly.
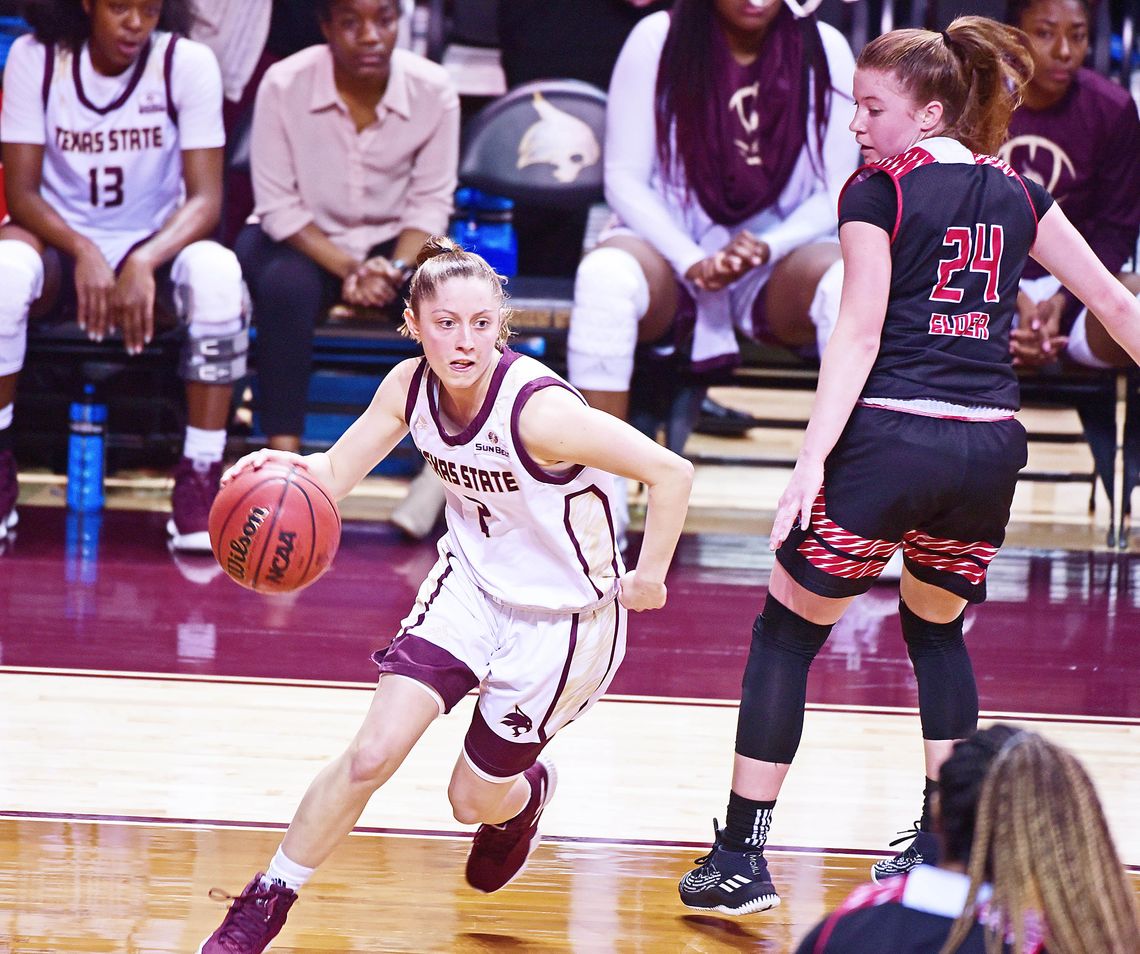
(560, 140)
(518, 722)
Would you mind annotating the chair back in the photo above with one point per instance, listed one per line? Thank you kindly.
(540, 144)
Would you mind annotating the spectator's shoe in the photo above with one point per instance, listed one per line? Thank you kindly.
(500, 852)
(416, 515)
(923, 849)
(731, 882)
(195, 487)
(9, 491)
(255, 918)
(722, 421)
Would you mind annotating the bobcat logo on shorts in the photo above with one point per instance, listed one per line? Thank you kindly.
(518, 721)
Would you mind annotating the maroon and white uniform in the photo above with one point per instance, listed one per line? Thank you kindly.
(113, 145)
(523, 598)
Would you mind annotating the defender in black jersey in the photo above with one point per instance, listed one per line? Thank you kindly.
(912, 441)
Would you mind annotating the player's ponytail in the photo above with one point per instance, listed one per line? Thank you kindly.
(976, 67)
(441, 260)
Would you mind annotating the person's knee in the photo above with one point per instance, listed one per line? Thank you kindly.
(22, 282)
(611, 294)
(924, 638)
(372, 761)
(824, 307)
(211, 300)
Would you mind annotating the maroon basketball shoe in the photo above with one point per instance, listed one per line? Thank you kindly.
(256, 917)
(500, 852)
(195, 487)
(9, 491)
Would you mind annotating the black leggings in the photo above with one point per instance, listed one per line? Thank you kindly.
(291, 294)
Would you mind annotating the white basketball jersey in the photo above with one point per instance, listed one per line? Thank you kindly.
(112, 170)
(527, 537)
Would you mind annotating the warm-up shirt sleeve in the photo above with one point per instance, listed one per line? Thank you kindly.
(22, 119)
(196, 88)
(631, 147)
(1113, 231)
(280, 209)
(431, 188)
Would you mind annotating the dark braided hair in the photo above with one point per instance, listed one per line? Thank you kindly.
(960, 784)
(65, 22)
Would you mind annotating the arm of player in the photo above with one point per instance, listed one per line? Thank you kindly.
(94, 277)
(1062, 250)
(557, 428)
(368, 440)
(847, 361)
(195, 219)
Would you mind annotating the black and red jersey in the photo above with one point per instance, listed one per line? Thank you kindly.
(961, 226)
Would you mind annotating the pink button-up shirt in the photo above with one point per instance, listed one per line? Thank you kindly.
(310, 164)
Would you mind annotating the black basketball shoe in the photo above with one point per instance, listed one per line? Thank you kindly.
(731, 882)
(923, 849)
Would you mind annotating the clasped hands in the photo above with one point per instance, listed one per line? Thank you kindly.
(743, 253)
(1037, 341)
(375, 283)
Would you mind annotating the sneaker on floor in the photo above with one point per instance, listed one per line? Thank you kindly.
(500, 852)
(419, 511)
(255, 918)
(9, 491)
(731, 882)
(923, 849)
(195, 487)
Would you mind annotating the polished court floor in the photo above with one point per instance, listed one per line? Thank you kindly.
(158, 725)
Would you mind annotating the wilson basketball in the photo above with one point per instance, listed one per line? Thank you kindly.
(274, 529)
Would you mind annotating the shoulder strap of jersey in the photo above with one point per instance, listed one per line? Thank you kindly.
(865, 896)
(896, 167)
(1006, 169)
(167, 71)
(414, 391)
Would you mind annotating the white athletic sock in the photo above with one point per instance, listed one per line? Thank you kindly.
(6, 414)
(288, 873)
(204, 447)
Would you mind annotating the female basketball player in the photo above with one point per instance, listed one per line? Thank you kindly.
(528, 598)
(912, 440)
(113, 143)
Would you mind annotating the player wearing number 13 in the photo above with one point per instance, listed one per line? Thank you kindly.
(912, 440)
(527, 601)
(112, 131)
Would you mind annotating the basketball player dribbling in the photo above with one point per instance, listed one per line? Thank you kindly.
(912, 440)
(113, 137)
(527, 600)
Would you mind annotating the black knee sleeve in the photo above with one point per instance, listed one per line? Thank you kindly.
(774, 691)
(947, 692)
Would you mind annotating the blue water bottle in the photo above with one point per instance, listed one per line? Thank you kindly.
(85, 452)
(484, 224)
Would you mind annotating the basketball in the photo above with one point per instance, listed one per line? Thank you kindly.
(274, 529)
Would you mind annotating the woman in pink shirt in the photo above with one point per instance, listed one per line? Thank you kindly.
(354, 153)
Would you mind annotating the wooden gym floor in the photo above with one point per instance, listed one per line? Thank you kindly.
(158, 725)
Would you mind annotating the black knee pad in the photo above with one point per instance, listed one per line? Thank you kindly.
(947, 691)
(774, 689)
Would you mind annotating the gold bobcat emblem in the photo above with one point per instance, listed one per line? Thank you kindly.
(560, 140)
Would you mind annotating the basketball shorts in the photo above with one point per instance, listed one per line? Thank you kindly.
(939, 488)
(538, 670)
(62, 306)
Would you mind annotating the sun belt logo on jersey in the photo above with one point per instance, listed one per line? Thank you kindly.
(491, 446)
(152, 102)
(518, 722)
(560, 140)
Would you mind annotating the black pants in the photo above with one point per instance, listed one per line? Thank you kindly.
(291, 295)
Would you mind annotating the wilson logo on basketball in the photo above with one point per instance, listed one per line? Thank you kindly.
(239, 546)
(281, 557)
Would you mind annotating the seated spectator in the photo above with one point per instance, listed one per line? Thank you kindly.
(113, 145)
(1026, 865)
(354, 155)
(726, 147)
(1078, 134)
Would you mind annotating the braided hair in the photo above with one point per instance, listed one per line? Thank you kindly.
(1042, 841)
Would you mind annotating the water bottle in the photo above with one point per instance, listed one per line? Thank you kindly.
(81, 546)
(485, 225)
(85, 452)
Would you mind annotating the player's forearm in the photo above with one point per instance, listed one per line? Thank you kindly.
(664, 518)
(196, 219)
(32, 211)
